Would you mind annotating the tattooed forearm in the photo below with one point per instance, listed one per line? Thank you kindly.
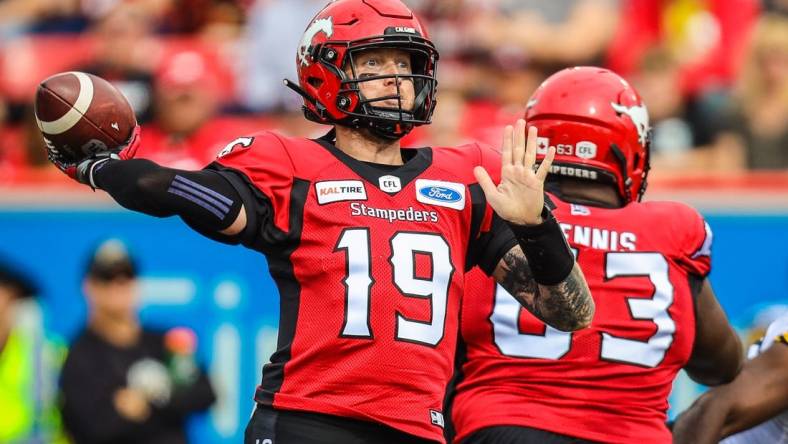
(566, 306)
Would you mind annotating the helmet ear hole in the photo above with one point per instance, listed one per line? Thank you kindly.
(315, 82)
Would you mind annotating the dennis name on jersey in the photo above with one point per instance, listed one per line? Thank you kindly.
(599, 238)
(409, 215)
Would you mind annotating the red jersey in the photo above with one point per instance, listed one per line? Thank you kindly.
(370, 268)
(609, 382)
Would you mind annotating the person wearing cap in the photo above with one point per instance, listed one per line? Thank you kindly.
(123, 383)
(187, 130)
(30, 361)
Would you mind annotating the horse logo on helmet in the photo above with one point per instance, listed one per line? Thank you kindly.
(639, 116)
(324, 25)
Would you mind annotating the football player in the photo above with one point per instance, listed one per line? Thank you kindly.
(755, 403)
(367, 242)
(646, 264)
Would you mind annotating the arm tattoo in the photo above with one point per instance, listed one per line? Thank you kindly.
(566, 306)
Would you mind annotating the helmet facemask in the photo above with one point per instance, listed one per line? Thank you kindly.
(381, 118)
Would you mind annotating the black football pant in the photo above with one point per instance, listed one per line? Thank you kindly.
(269, 426)
(520, 435)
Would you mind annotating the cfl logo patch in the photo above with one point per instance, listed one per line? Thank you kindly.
(436, 418)
(390, 184)
(585, 150)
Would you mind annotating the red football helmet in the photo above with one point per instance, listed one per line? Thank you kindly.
(599, 126)
(339, 32)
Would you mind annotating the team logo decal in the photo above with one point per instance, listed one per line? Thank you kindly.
(436, 418)
(542, 144)
(579, 210)
(585, 150)
(340, 190)
(324, 25)
(443, 194)
(390, 184)
(639, 116)
(243, 142)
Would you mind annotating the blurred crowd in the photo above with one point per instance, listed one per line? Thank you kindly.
(116, 381)
(198, 73)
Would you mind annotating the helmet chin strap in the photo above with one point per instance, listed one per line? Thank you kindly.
(622, 161)
(390, 131)
(394, 129)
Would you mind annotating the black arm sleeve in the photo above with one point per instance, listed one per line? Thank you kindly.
(546, 249)
(494, 244)
(204, 199)
(486, 248)
(490, 247)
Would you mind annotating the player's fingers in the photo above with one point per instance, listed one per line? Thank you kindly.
(506, 146)
(530, 146)
(485, 181)
(547, 162)
(518, 144)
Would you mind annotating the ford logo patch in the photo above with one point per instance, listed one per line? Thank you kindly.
(442, 194)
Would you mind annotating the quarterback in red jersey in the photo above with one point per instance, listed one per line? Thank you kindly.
(646, 264)
(367, 242)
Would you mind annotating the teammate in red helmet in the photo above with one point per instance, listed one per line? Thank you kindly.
(647, 265)
(367, 242)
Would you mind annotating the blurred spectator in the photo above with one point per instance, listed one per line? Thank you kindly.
(552, 34)
(19, 16)
(684, 56)
(707, 38)
(762, 96)
(686, 135)
(447, 22)
(95, 10)
(186, 132)
(498, 53)
(29, 365)
(214, 19)
(123, 383)
(656, 80)
(269, 49)
(12, 156)
(126, 52)
(223, 22)
(508, 83)
(776, 6)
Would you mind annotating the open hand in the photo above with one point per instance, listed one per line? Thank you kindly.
(131, 404)
(519, 198)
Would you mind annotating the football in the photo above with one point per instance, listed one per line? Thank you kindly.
(80, 114)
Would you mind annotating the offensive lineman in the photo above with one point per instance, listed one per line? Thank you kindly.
(370, 295)
(646, 264)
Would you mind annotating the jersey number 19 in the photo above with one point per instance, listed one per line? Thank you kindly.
(404, 247)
